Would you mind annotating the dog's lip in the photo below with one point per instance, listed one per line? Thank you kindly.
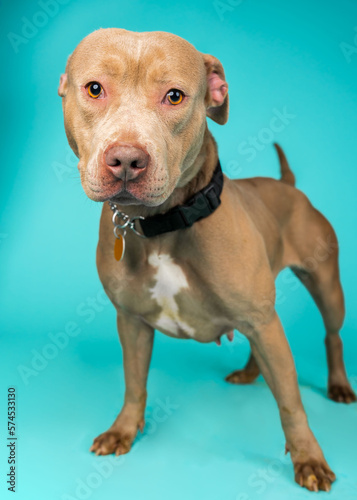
(123, 196)
(127, 198)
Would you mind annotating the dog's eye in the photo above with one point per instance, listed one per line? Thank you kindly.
(94, 89)
(175, 96)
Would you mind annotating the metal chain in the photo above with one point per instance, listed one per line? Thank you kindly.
(127, 221)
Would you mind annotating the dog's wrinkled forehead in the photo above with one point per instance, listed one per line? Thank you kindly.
(129, 58)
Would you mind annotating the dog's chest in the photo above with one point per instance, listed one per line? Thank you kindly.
(169, 297)
(168, 289)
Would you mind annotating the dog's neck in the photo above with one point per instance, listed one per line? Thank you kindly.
(202, 168)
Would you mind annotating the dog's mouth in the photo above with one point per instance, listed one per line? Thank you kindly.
(138, 197)
(139, 191)
(126, 193)
(125, 197)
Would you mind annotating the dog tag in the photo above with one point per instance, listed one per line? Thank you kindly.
(119, 247)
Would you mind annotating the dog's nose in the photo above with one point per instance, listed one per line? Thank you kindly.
(126, 162)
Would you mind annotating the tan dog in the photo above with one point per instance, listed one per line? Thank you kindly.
(135, 107)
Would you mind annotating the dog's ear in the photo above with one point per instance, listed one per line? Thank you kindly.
(62, 89)
(217, 90)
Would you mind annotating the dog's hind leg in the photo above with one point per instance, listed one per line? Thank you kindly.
(329, 299)
(319, 272)
(316, 266)
(247, 375)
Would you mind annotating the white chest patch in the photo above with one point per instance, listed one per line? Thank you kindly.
(170, 280)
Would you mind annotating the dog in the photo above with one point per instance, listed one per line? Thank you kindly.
(194, 254)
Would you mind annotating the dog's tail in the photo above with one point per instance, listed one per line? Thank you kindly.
(286, 174)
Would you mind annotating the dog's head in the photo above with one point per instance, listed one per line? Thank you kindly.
(135, 107)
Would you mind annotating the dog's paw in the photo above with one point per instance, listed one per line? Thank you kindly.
(341, 393)
(112, 441)
(314, 475)
(241, 377)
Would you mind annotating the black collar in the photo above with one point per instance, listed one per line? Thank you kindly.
(201, 205)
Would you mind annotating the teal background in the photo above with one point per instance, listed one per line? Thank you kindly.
(220, 441)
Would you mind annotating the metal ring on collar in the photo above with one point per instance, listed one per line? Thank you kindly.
(121, 216)
(133, 228)
(115, 231)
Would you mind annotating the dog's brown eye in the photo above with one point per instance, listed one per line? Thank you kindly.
(94, 89)
(175, 96)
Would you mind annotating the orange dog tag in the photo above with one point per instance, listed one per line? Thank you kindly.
(119, 247)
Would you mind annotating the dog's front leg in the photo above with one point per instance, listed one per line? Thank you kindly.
(137, 340)
(272, 352)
